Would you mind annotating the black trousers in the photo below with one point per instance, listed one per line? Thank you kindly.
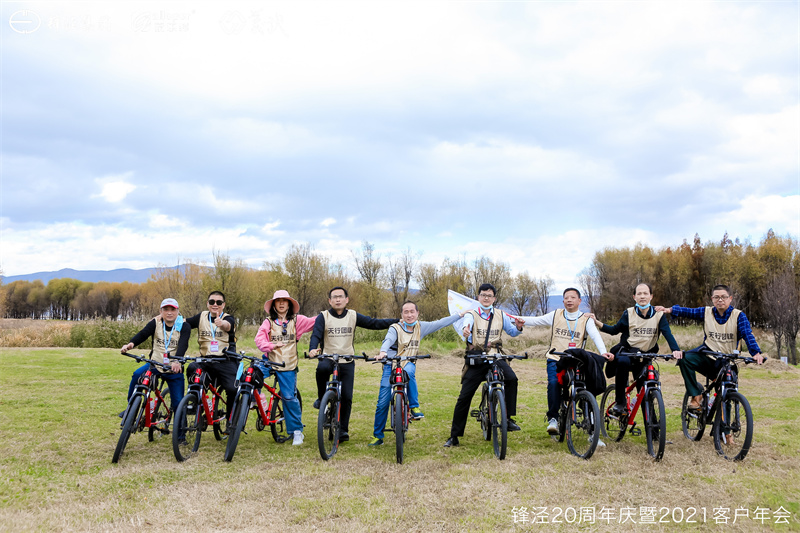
(472, 379)
(625, 365)
(223, 373)
(346, 377)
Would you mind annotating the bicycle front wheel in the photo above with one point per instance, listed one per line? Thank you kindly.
(733, 427)
(328, 425)
(485, 416)
(159, 424)
(655, 424)
(499, 424)
(400, 425)
(240, 412)
(614, 427)
(128, 425)
(583, 425)
(693, 422)
(188, 427)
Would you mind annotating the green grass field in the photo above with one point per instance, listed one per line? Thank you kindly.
(58, 430)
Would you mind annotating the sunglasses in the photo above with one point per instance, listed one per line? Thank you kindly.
(216, 302)
(284, 327)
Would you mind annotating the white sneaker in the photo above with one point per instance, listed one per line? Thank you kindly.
(552, 426)
(298, 438)
(600, 444)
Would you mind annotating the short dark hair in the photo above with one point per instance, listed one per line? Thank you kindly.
(649, 288)
(486, 287)
(721, 288)
(212, 293)
(571, 289)
(336, 289)
(410, 302)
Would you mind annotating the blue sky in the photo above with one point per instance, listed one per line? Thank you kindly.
(536, 133)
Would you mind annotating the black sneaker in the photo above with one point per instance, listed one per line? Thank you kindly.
(344, 436)
(618, 409)
(316, 403)
(452, 441)
(512, 426)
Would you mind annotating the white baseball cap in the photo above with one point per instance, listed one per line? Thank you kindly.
(169, 301)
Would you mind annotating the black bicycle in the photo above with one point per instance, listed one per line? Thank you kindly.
(492, 414)
(649, 398)
(727, 410)
(399, 408)
(148, 407)
(329, 418)
(578, 415)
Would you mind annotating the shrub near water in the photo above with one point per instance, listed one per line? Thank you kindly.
(104, 334)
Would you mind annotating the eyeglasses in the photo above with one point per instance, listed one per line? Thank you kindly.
(216, 302)
(486, 295)
(338, 297)
(720, 298)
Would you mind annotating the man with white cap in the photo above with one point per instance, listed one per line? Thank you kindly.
(277, 339)
(170, 334)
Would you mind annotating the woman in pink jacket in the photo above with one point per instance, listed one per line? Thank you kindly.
(277, 339)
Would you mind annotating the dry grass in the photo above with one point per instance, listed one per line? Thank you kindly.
(16, 332)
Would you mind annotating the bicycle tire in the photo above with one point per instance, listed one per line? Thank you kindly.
(499, 424)
(563, 416)
(655, 424)
(400, 425)
(240, 412)
(217, 414)
(159, 423)
(614, 427)
(693, 423)
(583, 425)
(187, 427)
(728, 420)
(127, 427)
(279, 429)
(485, 417)
(328, 425)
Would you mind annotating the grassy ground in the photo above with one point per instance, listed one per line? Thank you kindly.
(58, 429)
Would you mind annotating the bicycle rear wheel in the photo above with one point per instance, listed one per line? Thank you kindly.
(583, 425)
(499, 424)
(328, 425)
(693, 421)
(655, 424)
(734, 418)
(485, 416)
(614, 427)
(240, 412)
(400, 425)
(188, 427)
(159, 424)
(280, 432)
(128, 426)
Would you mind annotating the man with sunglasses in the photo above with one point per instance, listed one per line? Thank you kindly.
(216, 333)
(334, 332)
(723, 327)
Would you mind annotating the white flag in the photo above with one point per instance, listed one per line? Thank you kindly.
(457, 303)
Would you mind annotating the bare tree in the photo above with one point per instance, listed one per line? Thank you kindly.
(399, 272)
(590, 287)
(542, 289)
(781, 306)
(369, 267)
(498, 274)
(523, 294)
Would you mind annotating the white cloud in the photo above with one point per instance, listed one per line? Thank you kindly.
(114, 189)
(328, 222)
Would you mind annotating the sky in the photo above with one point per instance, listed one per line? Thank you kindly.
(137, 134)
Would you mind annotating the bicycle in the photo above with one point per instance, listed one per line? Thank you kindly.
(578, 415)
(145, 411)
(198, 410)
(250, 397)
(724, 410)
(492, 414)
(328, 420)
(649, 397)
(399, 408)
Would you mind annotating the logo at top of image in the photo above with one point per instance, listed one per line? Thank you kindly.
(25, 21)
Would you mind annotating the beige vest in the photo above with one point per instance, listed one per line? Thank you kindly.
(481, 325)
(204, 335)
(159, 341)
(721, 337)
(643, 332)
(339, 333)
(564, 332)
(407, 343)
(288, 352)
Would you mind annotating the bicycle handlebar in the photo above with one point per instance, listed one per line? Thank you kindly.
(735, 355)
(335, 356)
(646, 355)
(390, 358)
(496, 356)
(145, 359)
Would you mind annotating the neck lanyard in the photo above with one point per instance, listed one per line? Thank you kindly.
(167, 340)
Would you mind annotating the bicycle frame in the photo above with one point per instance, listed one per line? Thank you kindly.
(647, 381)
(202, 385)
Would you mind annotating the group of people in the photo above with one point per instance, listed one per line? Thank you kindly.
(333, 332)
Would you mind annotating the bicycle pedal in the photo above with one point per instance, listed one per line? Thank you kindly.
(635, 432)
(475, 413)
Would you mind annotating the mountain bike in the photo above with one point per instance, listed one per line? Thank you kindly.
(578, 415)
(648, 397)
(148, 407)
(328, 420)
(727, 410)
(198, 410)
(492, 414)
(399, 408)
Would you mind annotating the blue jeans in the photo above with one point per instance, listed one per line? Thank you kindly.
(553, 390)
(174, 382)
(385, 396)
(287, 381)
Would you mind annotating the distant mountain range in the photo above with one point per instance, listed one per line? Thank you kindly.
(114, 276)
